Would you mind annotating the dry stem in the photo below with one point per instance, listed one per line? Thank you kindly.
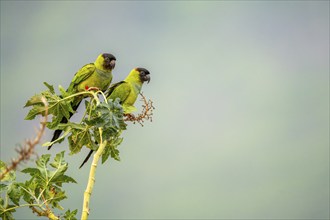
(146, 113)
(27, 150)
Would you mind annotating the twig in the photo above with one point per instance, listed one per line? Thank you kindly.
(91, 178)
(27, 150)
(146, 113)
(46, 213)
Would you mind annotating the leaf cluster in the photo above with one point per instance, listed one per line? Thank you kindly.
(107, 114)
(59, 106)
(41, 192)
(101, 125)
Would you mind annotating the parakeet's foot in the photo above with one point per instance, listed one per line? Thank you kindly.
(92, 88)
(130, 115)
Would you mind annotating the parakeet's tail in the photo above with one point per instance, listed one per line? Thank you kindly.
(86, 159)
(57, 133)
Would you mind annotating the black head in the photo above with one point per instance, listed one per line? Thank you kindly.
(144, 74)
(109, 61)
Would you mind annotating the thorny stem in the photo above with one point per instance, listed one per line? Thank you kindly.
(28, 149)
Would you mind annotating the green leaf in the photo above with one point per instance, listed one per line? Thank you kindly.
(6, 215)
(58, 140)
(80, 137)
(41, 173)
(31, 171)
(37, 110)
(70, 215)
(111, 149)
(67, 179)
(28, 189)
(34, 100)
(42, 167)
(50, 87)
(64, 93)
(60, 167)
(14, 193)
(54, 201)
(3, 187)
(87, 104)
(59, 161)
(58, 107)
(46, 181)
(57, 176)
(107, 115)
(65, 126)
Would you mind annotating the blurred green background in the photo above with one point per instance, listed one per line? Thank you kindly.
(241, 89)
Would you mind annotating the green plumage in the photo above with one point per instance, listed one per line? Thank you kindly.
(97, 74)
(89, 76)
(128, 90)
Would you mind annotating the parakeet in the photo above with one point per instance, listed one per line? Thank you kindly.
(127, 91)
(97, 74)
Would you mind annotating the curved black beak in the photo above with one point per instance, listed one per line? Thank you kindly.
(147, 78)
(112, 64)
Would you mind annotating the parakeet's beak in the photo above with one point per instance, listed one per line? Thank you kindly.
(112, 64)
(147, 78)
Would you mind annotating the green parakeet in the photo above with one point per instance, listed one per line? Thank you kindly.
(127, 91)
(97, 74)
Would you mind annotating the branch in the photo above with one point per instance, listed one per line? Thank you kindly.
(27, 150)
(48, 213)
(146, 113)
(91, 178)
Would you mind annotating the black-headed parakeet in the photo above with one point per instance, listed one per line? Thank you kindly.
(97, 74)
(127, 91)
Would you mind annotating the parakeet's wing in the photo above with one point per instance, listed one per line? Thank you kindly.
(111, 88)
(82, 74)
(119, 90)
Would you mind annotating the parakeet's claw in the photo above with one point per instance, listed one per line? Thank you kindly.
(92, 88)
(129, 117)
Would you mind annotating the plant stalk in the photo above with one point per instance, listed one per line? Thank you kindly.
(91, 178)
